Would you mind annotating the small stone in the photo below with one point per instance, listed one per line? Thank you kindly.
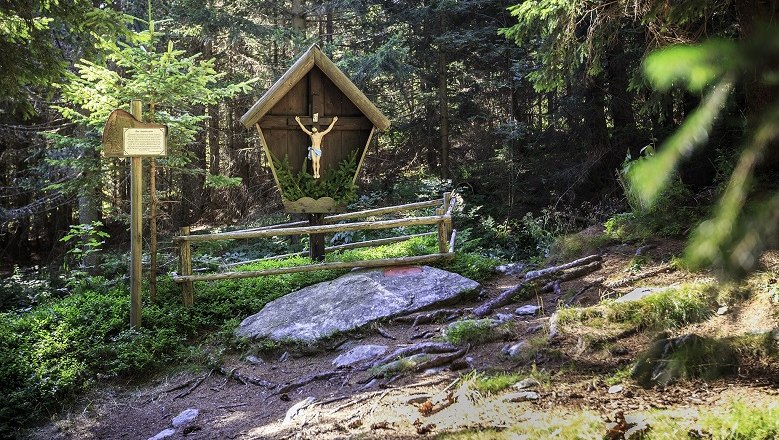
(640, 293)
(416, 399)
(184, 417)
(252, 359)
(534, 329)
(163, 434)
(526, 383)
(358, 354)
(527, 310)
(614, 389)
(504, 317)
(515, 350)
(521, 396)
(723, 310)
(511, 269)
(284, 356)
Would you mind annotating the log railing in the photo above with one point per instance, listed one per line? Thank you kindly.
(442, 219)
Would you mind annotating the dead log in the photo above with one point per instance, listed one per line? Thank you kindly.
(572, 275)
(422, 347)
(632, 279)
(424, 318)
(544, 273)
(504, 298)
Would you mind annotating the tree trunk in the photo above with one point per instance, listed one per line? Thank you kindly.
(443, 104)
(298, 22)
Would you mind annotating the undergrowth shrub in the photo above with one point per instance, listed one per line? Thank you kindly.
(673, 214)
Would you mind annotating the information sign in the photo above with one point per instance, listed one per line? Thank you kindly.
(145, 141)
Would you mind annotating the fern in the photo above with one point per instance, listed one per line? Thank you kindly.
(336, 183)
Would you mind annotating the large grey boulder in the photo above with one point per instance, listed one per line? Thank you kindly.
(352, 301)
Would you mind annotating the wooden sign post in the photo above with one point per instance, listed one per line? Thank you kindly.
(136, 224)
(125, 135)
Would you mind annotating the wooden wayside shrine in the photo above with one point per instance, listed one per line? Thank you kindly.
(315, 92)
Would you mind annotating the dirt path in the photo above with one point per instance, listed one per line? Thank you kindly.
(351, 404)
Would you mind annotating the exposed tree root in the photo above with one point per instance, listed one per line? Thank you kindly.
(307, 380)
(422, 347)
(424, 318)
(234, 374)
(195, 385)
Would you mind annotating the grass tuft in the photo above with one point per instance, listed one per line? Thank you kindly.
(474, 331)
(666, 309)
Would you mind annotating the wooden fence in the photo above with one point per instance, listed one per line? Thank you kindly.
(442, 219)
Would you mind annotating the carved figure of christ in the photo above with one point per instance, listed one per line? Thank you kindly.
(315, 150)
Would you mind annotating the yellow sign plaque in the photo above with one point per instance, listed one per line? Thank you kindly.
(145, 141)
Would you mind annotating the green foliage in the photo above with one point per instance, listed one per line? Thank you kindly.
(492, 383)
(669, 213)
(22, 289)
(218, 181)
(739, 230)
(36, 39)
(336, 183)
(84, 240)
(141, 67)
(689, 356)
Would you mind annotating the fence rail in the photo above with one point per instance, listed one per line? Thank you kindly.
(442, 219)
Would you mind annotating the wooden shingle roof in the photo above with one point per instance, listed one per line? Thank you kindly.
(314, 57)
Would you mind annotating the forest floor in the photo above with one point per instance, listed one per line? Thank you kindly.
(576, 379)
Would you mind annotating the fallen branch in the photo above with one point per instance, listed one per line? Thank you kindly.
(422, 347)
(632, 279)
(591, 262)
(181, 385)
(195, 385)
(235, 405)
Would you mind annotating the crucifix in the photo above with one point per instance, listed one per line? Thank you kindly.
(315, 149)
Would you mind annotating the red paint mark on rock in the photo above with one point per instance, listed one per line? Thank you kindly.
(402, 271)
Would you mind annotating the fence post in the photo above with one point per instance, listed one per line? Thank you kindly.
(185, 267)
(447, 201)
(443, 242)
